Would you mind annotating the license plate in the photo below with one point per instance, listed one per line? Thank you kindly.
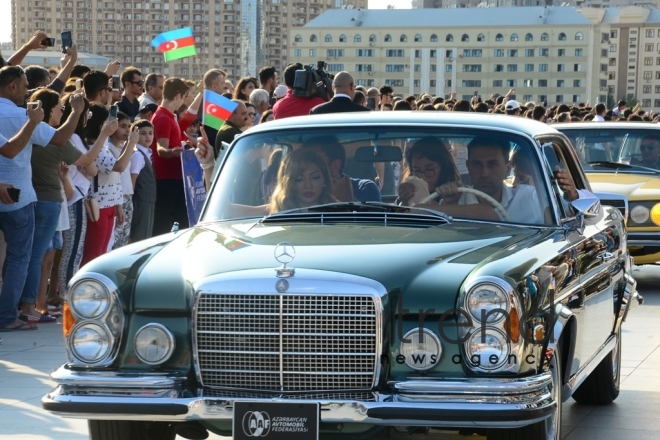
(276, 421)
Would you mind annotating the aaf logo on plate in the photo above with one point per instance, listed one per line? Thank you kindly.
(256, 423)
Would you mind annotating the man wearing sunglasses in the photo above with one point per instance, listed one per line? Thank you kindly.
(650, 152)
(131, 79)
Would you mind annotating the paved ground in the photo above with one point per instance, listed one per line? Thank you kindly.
(26, 359)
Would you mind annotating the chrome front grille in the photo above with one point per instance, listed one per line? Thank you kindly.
(618, 204)
(286, 343)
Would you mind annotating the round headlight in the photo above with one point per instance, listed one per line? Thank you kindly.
(89, 298)
(90, 343)
(655, 214)
(421, 353)
(488, 350)
(154, 344)
(484, 300)
(639, 214)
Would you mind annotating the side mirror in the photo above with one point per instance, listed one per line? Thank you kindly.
(383, 153)
(587, 207)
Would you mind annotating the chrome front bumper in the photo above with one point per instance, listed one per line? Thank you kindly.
(643, 238)
(471, 402)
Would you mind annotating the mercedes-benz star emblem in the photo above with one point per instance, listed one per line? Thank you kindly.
(285, 253)
(282, 286)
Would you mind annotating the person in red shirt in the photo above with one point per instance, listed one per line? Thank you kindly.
(294, 105)
(166, 147)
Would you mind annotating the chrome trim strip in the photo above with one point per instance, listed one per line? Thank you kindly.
(589, 366)
(529, 397)
(481, 386)
(110, 379)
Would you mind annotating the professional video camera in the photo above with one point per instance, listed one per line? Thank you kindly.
(310, 82)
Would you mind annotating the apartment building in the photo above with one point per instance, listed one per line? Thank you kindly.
(633, 64)
(552, 54)
(501, 3)
(239, 36)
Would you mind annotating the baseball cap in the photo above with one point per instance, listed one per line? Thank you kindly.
(280, 91)
(512, 105)
(148, 108)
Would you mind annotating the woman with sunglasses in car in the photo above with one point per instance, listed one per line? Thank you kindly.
(430, 160)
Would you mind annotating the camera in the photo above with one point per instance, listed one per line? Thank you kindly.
(313, 81)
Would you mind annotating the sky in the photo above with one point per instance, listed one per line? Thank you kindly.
(5, 13)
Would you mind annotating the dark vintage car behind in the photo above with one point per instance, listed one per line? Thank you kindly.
(351, 319)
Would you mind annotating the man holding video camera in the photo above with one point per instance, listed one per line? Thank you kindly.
(343, 86)
(292, 105)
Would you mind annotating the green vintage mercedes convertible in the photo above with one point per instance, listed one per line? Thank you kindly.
(355, 276)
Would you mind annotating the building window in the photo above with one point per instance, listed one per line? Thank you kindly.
(499, 52)
(499, 67)
(529, 52)
(578, 68)
(497, 83)
(449, 53)
(499, 37)
(647, 89)
(297, 53)
(579, 36)
(416, 83)
(328, 38)
(481, 38)
(529, 67)
(529, 37)
(365, 82)
(465, 38)
(648, 47)
(312, 52)
(449, 67)
(418, 67)
(335, 67)
(364, 52)
(434, 38)
(472, 83)
(394, 82)
(543, 83)
(578, 52)
(434, 53)
(559, 98)
(342, 38)
(394, 68)
(511, 83)
(395, 53)
(418, 38)
(298, 38)
(313, 39)
(657, 89)
(650, 33)
(648, 61)
(528, 83)
(657, 75)
(372, 38)
(544, 52)
(560, 68)
(418, 53)
(364, 67)
(646, 103)
(514, 37)
(544, 37)
(647, 75)
(357, 39)
(560, 83)
(403, 39)
(512, 53)
(335, 53)
(561, 52)
(612, 61)
(471, 67)
(448, 83)
(388, 38)
(432, 83)
(511, 67)
(577, 83)
(449, 38)
(613, 34)
(471, 52)
(562, 37)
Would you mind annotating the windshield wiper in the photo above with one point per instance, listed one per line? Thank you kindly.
(617, 165)
(361, 207)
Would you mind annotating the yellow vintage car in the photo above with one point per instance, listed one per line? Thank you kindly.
(611, 156)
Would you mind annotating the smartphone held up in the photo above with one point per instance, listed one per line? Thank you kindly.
(113, 112)
(67, 41)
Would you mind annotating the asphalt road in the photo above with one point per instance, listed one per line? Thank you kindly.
(26, 359)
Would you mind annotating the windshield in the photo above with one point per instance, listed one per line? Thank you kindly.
(599, 148)
(290, 170)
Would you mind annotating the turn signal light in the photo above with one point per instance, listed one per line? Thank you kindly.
(68, 319)
(655, 214)
(512, 326)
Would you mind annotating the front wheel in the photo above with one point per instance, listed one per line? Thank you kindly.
(602, 385)
(548, 429)
(127, 430)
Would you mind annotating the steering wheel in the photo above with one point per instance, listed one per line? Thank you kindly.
(496, 205)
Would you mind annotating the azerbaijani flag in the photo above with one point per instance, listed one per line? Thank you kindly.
(217, 109)
(175, 44)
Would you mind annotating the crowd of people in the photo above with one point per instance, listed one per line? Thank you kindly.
(87, 167)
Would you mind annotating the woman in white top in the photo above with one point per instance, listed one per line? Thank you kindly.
(107, 191)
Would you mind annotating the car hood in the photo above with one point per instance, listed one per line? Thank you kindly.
(416, 261)
(635, 186)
